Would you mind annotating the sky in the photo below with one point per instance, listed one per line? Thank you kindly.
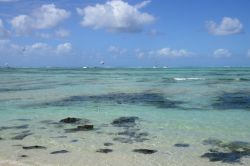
(124, 33)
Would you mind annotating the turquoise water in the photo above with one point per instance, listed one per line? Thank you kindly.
(174, 106)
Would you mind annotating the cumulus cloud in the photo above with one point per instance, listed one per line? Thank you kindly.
(163, 52)
(4, 33)
(173, 53)
(116, 16)
(44, 35)
(47, 16)
(36, 49)
(248, 53)
(62, 33)
(222, 53)
(227, 26)
(63, 48)
(8, 0)
(59, 33)
(154, 32)
(116, 50)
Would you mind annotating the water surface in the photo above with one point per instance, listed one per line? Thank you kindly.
(177, 109)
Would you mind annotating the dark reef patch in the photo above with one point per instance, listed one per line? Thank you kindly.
(34, 147)
(181, 145)
(59, 152)
(14, 127)
(23, 88)
(225, 157)
(145, 98)
(231, 152)
(212, 141)
(145, 151)
(49, 122)
(22, 119)
(233, 100)
(61, 136)
(104, 150)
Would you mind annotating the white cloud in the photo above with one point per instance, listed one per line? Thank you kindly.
(62, 33)
(142, 4)
(63, 48)
(139, 53)
(44, 35)
(47, 16)
(8, 0)
(173, 53)
(222, 53)
(116, 16)
(228, 26)
(4, 33)
(116, 50)
(59, 33)
(154, 32)
(36, 49)
(248, 53)
(163, 52)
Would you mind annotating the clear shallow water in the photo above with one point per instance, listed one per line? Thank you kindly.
(174, 106)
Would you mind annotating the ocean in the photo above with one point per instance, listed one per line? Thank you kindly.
(125, 116)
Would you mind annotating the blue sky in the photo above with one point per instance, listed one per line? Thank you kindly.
(124, 33)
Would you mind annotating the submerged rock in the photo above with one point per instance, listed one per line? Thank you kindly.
(145, 151)
(59, 152)
(104, 150)
(21, 136)
(131, 133)
(23, 156)
(128, 133)
(86, 127)
(1, 138)
(80, 128)
(108, 144)
(181, 145)
(70, 120)
(34, 147)
(123, 140)
(125, 121)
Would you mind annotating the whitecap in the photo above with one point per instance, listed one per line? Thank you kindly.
(189, 78)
